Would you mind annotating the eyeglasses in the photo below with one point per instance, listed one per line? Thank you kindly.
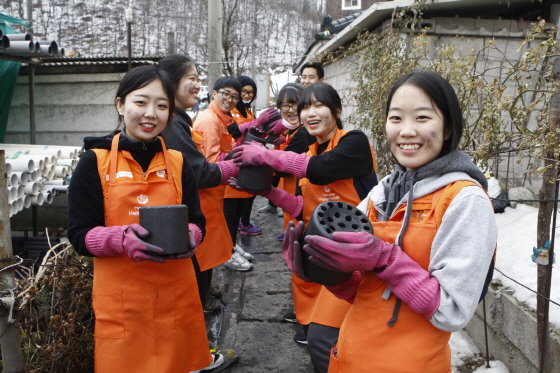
(247, 93)
(286, 107)
(228, 96)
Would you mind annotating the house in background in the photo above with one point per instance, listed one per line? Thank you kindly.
(475, 21)
(343, 8)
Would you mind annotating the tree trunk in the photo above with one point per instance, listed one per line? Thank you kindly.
(546, 209)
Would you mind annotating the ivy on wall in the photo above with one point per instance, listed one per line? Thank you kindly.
(505, 109)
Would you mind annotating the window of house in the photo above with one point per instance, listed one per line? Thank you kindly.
(351, 4)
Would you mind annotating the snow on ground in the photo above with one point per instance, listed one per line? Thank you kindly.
(463, 349)
(517, 235)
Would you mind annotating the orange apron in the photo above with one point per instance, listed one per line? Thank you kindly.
(288, 183)
(313, 302)
(216, 247)
(148, 315)
(412, 344)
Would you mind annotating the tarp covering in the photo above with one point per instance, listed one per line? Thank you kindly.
(9, 72)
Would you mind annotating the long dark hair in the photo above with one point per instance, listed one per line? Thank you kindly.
(176, 66)
(324, 93)
(141, 76)
(291, 92)
(443, 96)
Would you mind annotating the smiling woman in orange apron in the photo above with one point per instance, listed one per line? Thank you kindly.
(147, 308)
(338, 167)
(298, 141)
(421, 274)
(216, 248)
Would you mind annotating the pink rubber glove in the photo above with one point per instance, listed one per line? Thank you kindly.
(122, 239)
(347, 290)
(347, 251)
(229, 169)
(280, 160)
(277, 128)
(267, 116)
(291, 204)
(410, 282)
(291, 251)
(280, 140)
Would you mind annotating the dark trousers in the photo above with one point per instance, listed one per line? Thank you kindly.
(203, 279)
(233, 209)
(246, 215)
(320, 340)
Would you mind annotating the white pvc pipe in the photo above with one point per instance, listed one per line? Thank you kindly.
(60, 171)
(21, 190)
(11, 210)
(33, 176)
(20, 164)
(61, 188)
(56, 182)
(23, 177)
(8, 168)
(44, 171)
(49, 198)
(71, 163)
(26, 201)
(57, 153)
(38, 199)
(46, 190)
(38, 160)
(13, 193)
(68, 154)
(12, 179)
(31, 188)
(20, 203)
(50, 175)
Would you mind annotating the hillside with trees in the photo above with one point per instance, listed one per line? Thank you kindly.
(267, 35)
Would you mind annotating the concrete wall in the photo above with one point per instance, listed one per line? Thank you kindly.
(512, 334)
(67, 108)
(474, 34)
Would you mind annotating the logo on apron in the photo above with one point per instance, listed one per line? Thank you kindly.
(143, 199)
(160, 173)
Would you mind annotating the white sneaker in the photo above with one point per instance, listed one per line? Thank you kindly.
(238, 263)
(280, 212)
(218, 360)
(238, 249)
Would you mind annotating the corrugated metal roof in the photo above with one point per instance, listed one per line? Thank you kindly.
(87, 65)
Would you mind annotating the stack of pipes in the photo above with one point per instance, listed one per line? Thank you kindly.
(37, 173)
(23, 45)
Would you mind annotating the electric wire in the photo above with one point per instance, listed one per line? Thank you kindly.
(528, 288)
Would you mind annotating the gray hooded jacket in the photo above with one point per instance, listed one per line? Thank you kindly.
(464, 244)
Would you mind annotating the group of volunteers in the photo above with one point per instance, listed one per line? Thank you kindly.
(416, 279)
